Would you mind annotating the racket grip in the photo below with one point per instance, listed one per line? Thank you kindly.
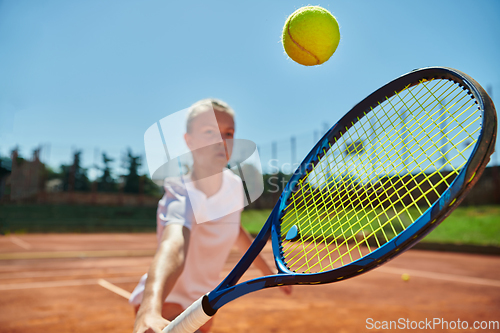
(191, 319)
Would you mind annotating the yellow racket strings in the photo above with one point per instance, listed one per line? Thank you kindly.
(380, 175)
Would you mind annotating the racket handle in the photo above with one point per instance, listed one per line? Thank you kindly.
(190, 320)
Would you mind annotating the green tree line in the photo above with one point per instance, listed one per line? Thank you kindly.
(74, 176)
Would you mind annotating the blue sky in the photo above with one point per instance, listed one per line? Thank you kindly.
(94, 75)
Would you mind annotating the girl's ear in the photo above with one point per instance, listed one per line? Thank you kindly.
(187, 138)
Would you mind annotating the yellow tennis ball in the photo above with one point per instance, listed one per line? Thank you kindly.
(405, 277)
(311, 35)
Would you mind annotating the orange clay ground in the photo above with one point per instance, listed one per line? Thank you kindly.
(61, 283)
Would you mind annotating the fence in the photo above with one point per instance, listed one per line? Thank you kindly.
(278, 159)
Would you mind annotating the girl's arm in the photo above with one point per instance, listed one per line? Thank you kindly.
(166, 267)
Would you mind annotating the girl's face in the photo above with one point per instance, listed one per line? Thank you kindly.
(204, 139)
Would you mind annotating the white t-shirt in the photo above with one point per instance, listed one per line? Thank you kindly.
(210, 242)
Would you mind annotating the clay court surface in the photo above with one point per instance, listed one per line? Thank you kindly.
(62, 282)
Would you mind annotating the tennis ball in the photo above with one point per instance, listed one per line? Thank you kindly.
(311, 35)
(405, 277)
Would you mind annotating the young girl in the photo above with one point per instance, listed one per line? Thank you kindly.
(194, 237)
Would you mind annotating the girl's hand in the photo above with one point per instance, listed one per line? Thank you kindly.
(149, 323)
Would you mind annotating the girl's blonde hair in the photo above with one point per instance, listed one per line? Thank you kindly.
(203, 106)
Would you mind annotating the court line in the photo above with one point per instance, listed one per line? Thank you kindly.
(19, 242)
(440, 276)
(111, 287)
(390, 270)
(87, 254)
(63, 283)
(72, 272)
(76, 254)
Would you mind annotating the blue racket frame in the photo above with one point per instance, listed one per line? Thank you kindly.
(228, 290)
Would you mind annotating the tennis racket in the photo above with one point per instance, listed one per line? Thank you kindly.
(377, 182)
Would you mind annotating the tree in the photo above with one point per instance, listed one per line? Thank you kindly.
(74, 176)
(5, 166)
(5, 170)
(106, 183)
(132, 179)
(150, 188)
(49, 173)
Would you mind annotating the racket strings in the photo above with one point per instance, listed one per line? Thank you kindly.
(380, 175)
(345, 242)
(400, 220)
(375, 138)
(363, 160)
